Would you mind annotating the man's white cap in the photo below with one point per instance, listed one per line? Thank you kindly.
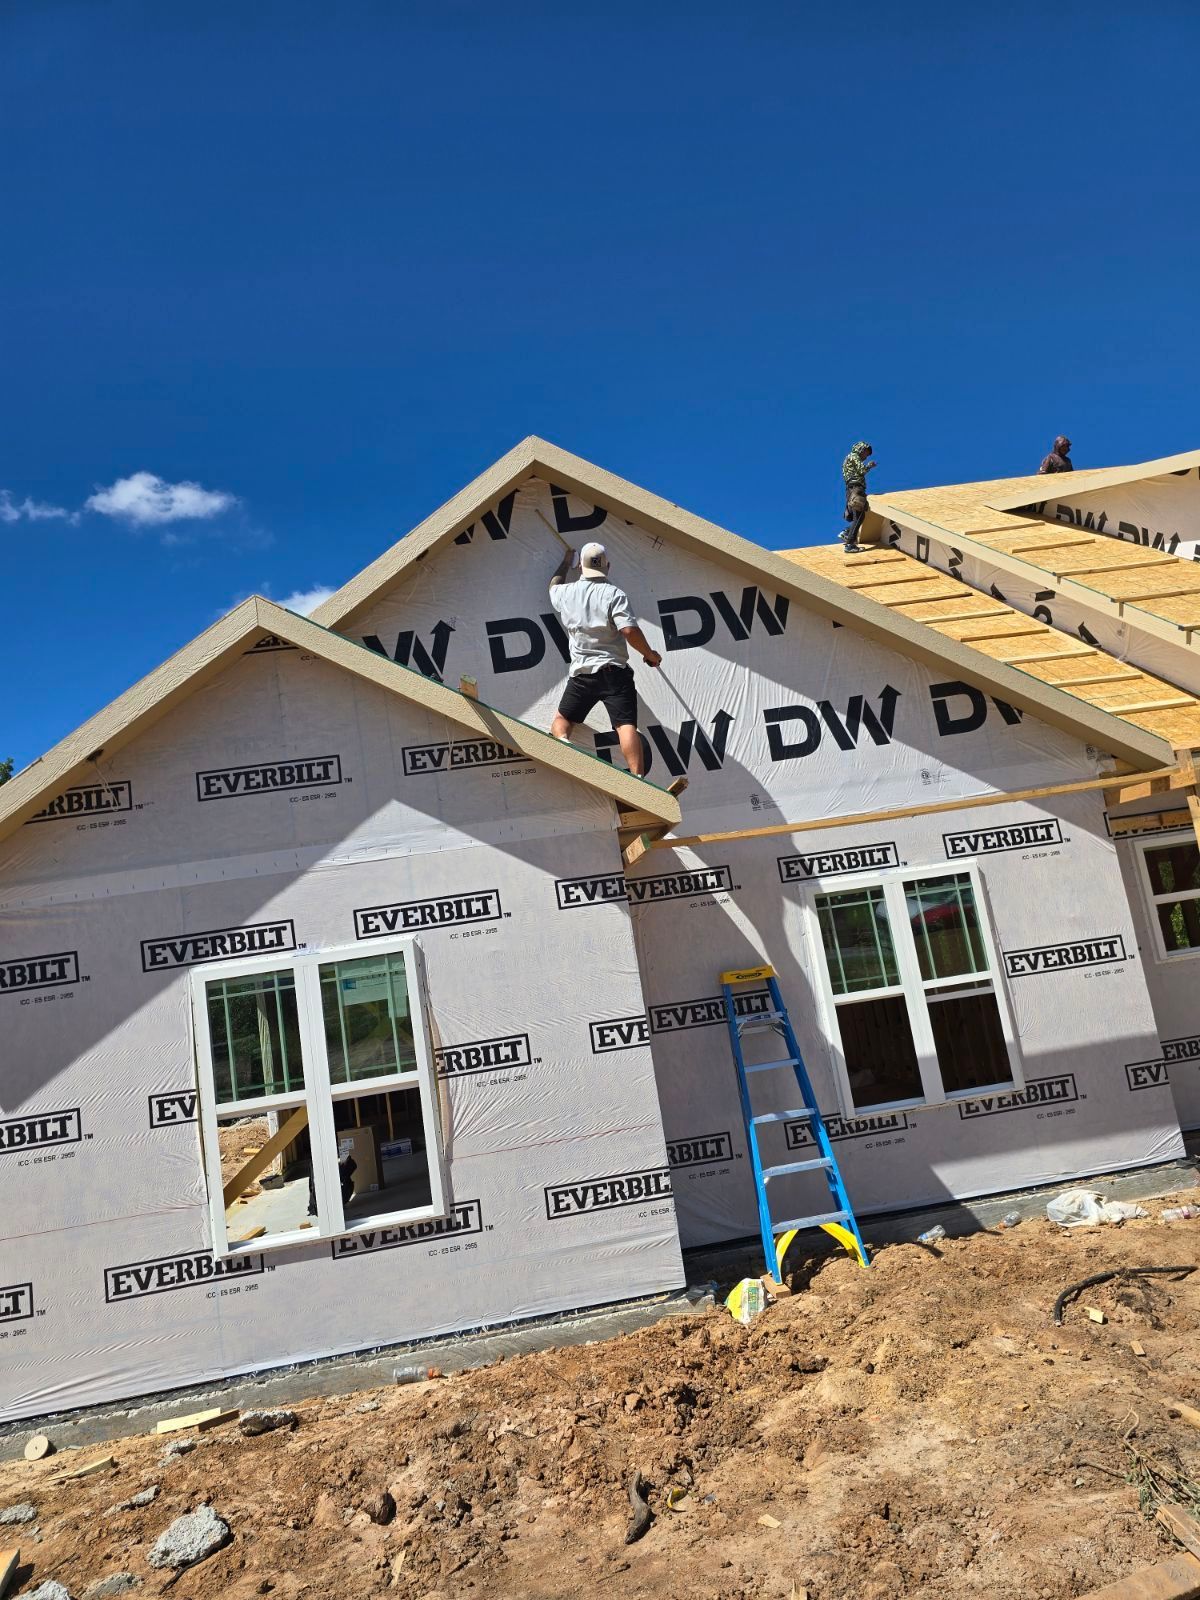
(593, 561)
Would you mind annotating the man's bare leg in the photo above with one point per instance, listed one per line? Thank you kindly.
(631, 748)
(560, 728)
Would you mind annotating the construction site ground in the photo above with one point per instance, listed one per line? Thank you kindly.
(918, 1429)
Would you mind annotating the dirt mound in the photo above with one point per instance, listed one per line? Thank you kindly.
(921, 1429)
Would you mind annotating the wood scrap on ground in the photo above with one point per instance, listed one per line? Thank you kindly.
(1175, 1579)
(1181, 1526)
(211, 1418)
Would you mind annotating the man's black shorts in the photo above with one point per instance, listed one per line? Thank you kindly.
(611, 685)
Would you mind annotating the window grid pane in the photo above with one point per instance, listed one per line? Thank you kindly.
(1179, 921)
(254, 1028)
(858, 941)
(945, 926)
(1174, 869)
(368, 1026)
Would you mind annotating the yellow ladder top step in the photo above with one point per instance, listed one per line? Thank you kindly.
(747, 974)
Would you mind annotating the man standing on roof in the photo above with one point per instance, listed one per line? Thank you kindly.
(598, 621)
(1059, 459)
(854, 475)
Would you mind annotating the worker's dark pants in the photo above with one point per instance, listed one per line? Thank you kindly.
(856, 510)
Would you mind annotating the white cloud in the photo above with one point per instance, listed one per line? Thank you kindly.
(28, 510)
(148, 501)
(305, 601)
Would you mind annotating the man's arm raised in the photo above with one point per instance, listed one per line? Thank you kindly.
(563, 567)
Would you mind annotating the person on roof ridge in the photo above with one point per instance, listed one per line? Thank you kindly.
(1059, 459)
(854, 477)
(598, 622)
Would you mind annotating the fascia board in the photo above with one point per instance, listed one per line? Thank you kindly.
(473, 715)
(153, 696)
(1094, 601)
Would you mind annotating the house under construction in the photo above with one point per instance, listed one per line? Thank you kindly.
(341, 1006)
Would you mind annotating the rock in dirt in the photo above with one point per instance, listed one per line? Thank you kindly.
(116, 1583)
(381, 1508)
(19, 1513)
(136, 1501)
(181, 1447)
(50, 1590)
(191, 1538)
(255, 1422)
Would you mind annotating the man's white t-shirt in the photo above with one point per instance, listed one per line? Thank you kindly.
(593, 612)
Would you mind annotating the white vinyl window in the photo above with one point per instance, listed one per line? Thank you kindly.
(318, 1102)
(914, 1004)
(1171, 882)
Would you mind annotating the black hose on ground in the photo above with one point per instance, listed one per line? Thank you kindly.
(641, 1511)
(1073, 1289)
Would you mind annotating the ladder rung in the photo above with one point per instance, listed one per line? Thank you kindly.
(770, 1066)
(784, 1116)
(811, 1222)
(760, 1019)
(796, 1166)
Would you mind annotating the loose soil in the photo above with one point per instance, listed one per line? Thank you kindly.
(921, 1429)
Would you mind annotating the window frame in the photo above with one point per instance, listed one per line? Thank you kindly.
(1151, 901)
(319, 1092)
(912, 986)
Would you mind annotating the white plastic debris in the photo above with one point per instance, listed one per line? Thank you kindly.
(1082, 1208)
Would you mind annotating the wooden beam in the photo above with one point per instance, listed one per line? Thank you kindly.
(1117, 566)
(1181, 1526)
(1049, 544)
(1150, 705)
(1127, 794)
(294, 1125)
(1183, 778)
(640, 820)
(1097, 677)
(636, 848)
(972, 638)
(861, 818)
(1057, 655)
(1194, 813)
(1175, 1579)
(955, 616)
(1155, 594)
(1144, 819)
(878, 583)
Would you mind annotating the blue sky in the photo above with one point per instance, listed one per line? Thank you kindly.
(277, 279)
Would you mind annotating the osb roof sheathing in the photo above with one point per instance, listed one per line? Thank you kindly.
(909, 588)
(1149, 588)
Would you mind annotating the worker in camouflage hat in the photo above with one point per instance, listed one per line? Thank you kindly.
(854, 477)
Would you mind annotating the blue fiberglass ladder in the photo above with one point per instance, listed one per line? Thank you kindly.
(840, 1222)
